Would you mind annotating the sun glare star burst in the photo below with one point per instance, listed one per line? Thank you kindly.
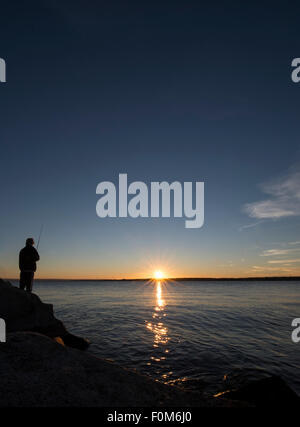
(158, 275)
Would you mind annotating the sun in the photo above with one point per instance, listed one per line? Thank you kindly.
(158, 275)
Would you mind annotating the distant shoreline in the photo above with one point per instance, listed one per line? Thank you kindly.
(185, 279)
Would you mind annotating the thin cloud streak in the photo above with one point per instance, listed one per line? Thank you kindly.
(283, 201)
(283, 261)
(276, 252)
(258, 268)
(253, 224)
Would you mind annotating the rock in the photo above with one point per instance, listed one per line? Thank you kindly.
(24, 311)
(73, 341)
(266, 392)
(37, 371)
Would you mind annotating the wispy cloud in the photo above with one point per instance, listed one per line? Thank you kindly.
(253, 224)
(276, 252)
(259, 268)
(283, 198)
(283, 261)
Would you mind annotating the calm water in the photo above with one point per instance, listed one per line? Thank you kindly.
(207, 335)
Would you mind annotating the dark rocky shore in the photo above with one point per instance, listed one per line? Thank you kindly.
(42, 364)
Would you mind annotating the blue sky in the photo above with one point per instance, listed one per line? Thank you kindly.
(160, 91)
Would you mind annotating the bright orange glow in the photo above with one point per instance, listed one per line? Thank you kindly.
(159, 275)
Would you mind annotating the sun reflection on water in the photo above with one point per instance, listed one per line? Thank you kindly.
(159, 329)
(160, 302)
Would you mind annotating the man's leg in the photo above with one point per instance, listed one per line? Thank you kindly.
(29, 281)
(22, 280)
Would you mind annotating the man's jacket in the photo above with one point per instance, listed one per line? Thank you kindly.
(27, 258)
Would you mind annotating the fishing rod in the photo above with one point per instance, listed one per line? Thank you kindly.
(42, 226)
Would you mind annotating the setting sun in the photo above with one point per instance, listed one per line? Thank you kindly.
(158, 275)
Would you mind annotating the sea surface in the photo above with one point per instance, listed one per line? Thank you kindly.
(210, 336)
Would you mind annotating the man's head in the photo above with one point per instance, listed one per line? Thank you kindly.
(30, 241)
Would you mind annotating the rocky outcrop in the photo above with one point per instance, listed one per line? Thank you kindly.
(267, 392)
(23, 311)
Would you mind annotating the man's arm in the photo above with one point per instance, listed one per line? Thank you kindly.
(36, 255)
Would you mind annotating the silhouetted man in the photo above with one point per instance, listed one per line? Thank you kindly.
(27, 264)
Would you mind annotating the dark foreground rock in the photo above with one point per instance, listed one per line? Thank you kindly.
(267, 392)
(37, 371)
(23, 311)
